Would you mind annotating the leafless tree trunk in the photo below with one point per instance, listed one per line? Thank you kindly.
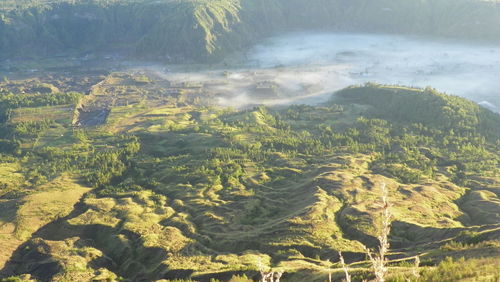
(415, 268)
(271, 276)
(344, 266)
(277, 276)
(379, 260)
(267, 276)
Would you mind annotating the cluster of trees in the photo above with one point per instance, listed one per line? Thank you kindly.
(427, 129)
(98, 166)
(12, 101)
(428, 107)
(411, 134)
(409, 148)
(104, 166)
(32, 128)
(11, 134)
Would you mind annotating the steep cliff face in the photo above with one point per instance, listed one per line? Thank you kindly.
(200, 29)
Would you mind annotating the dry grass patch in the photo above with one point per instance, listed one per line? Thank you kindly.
(55, 200)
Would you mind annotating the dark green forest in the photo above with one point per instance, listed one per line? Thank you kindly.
(206, 30)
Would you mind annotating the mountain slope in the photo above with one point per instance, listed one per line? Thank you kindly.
(203, 30)
(182, 190)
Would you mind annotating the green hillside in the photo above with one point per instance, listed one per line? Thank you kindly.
(172, 188)
(206, 30)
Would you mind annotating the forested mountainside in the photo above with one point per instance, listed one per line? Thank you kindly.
(202, 30)
(172, 188)
(116, 169)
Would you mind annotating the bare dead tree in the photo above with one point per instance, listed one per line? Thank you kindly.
(415, 267)
(344, 266)
(266, 276)
(379, 259)
(329, 270)
(263, 273)
(271, 276)
(277, 276)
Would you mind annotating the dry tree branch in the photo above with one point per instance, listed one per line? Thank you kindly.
(329, 270)
(379, 260)
(344, 266)
(415, 267)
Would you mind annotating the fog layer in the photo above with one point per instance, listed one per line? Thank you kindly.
(308, 67)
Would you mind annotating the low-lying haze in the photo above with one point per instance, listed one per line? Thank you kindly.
(308, 67)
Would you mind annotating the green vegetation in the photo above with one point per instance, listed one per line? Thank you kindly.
(428, 126)
(169, 188)
(144, 179)
(202, 29)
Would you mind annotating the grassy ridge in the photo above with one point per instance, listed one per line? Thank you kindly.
(425, 106)
(188, 191)
(54, 200)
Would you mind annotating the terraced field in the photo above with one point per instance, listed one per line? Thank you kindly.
(170, 187)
